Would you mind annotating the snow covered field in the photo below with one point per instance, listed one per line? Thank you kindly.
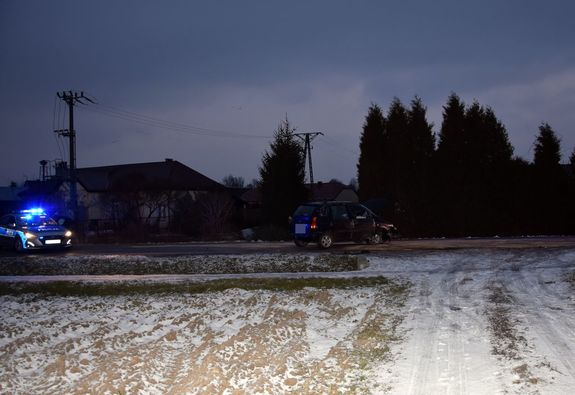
(467, 321)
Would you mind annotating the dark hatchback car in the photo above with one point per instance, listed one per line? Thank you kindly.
(328, 222)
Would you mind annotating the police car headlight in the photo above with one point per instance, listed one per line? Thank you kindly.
(29, 235)
(68, 234)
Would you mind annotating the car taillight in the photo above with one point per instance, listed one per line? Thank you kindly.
(313, 224)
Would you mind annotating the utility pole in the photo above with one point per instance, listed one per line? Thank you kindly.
(307, 139)
(71, 98)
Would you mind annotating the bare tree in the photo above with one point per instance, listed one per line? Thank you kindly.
(232, 181)
(215, 209)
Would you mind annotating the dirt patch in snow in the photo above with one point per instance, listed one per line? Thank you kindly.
(507, 341)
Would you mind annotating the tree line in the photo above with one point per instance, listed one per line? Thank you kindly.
(465, 181)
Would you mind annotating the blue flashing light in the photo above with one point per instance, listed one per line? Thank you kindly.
(34, 211)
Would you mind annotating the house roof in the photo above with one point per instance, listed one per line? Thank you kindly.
(167, 175)
(326, 191)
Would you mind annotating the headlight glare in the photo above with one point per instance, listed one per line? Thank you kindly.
(29, 235)
(68, 233)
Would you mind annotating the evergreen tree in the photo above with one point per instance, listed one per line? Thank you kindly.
(487, 158)
(395, 155)
(419, 150)
(449, 169)
(282, 176)
(369, 166)
(550, 183)
(451, 136)
(473, 166)
(547, 151)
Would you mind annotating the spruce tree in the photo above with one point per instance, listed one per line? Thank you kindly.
(547, 150)
(282, 176)
(419, 150)
(487, 159)
(451, 137)
(395, 153)
(369, 166)
(473, 166)
(449, 169)
(550, 189)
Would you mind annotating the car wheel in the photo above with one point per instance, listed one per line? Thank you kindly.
(325, 241)
(375, 239)
(18, 246)
(300, 243)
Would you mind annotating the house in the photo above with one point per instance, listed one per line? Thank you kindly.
(140, 193)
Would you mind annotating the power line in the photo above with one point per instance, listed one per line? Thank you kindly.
(340, 147)
(167, 125)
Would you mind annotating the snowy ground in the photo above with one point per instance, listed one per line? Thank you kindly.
(468, 321)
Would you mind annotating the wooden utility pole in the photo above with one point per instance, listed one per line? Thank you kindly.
(307, 139)
(71, 98)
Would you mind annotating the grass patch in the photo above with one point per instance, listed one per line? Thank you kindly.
(72, 288)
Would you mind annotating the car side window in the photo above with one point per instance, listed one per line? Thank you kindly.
(339, 212)
(358, 211)
(323, 211)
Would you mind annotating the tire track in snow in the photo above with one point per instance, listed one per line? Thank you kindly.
(447, 350)
(551, 321)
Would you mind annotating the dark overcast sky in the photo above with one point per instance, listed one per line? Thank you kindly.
(241, 66)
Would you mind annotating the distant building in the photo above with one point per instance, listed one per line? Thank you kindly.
(111, 196)
(146, 192)
(332, 191)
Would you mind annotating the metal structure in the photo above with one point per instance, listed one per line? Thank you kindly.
(71, 98)
(307, 139)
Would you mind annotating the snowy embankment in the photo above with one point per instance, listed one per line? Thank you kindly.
(187, 264)
(469, 321)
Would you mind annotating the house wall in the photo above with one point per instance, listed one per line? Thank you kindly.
(104, 210)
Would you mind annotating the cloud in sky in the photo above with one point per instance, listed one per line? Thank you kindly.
(242, 66)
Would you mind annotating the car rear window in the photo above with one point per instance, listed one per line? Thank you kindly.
(305, 210)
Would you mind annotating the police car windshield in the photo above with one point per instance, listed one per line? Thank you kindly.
(36, 220)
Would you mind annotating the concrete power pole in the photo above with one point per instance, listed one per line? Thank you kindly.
(307, 139)
(71, 98)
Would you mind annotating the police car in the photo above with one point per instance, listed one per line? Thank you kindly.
(32, 229)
